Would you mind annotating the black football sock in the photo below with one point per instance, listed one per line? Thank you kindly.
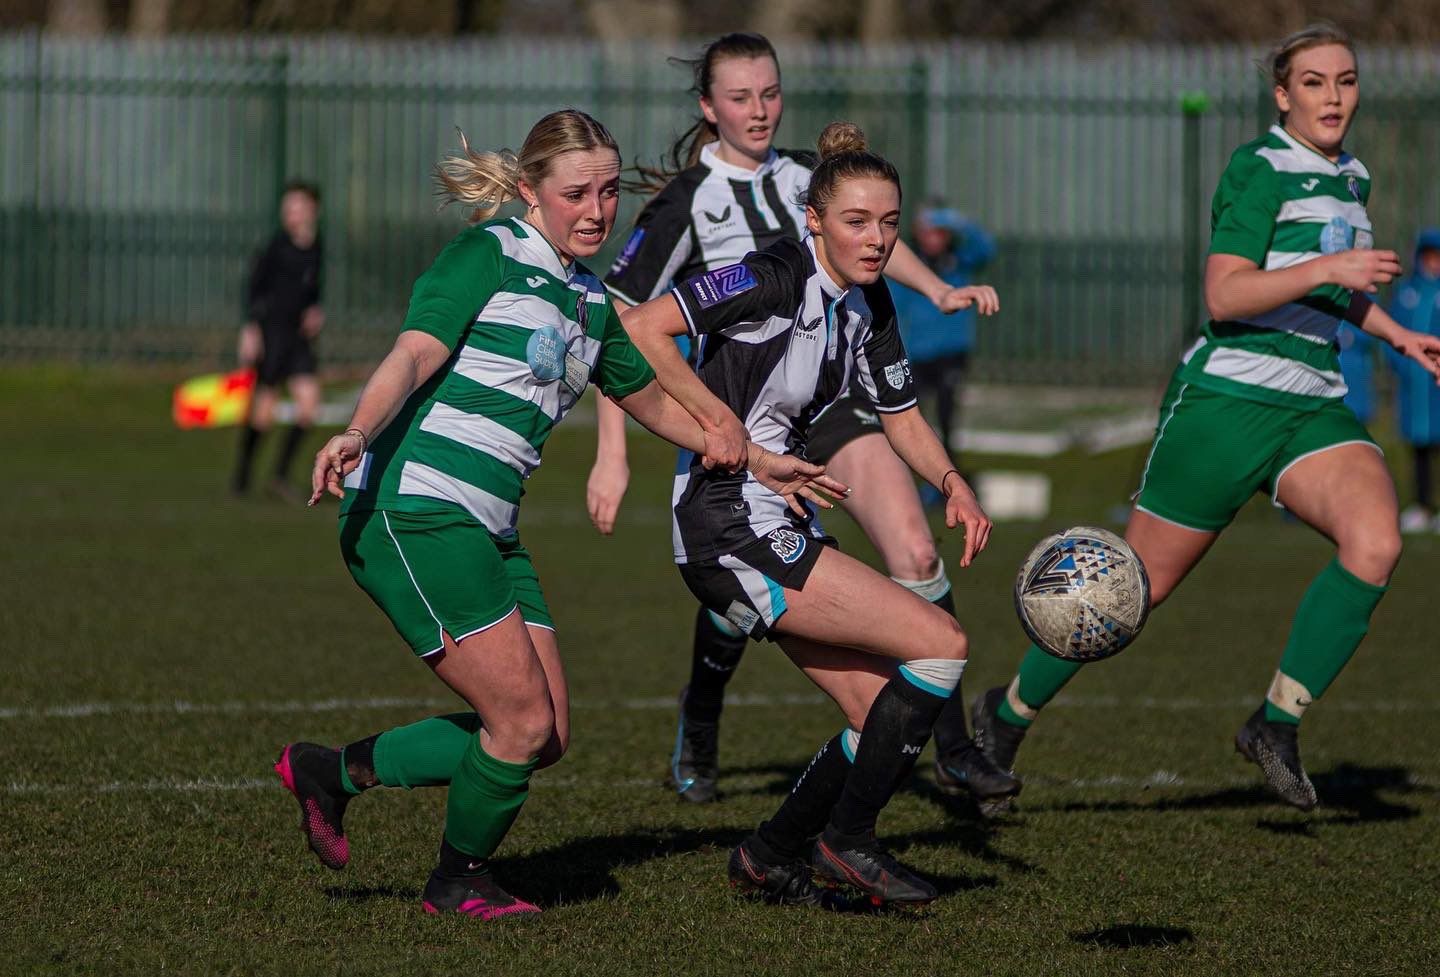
(291, 444)
(249, 440)
(896, 730)
(713, 658)
(811, 800)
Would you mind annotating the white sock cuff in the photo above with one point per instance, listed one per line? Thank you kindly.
(930, 590)
(938, 676)
(723, 625)
(1288, 695)
(849, 743)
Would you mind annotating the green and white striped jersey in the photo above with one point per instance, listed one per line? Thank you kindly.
(528, 334)
(1280, 203)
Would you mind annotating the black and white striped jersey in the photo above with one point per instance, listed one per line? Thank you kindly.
(709, 216)
(779, 342)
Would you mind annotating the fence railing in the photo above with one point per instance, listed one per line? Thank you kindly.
(137, 178)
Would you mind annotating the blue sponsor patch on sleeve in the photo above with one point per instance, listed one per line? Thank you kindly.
(627, 254)
(716, 286)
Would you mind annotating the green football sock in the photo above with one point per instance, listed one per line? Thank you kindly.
(424, 754)
(1333, 617)
(485, 796)
(1040, 679)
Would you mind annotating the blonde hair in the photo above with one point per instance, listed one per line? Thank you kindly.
(844, 156)
(483, 181)
(1281, 59)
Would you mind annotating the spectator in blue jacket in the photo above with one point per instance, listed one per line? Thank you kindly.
(1357, 365)
(1416, 305)
(954, 247)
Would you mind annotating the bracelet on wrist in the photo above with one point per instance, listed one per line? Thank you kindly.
(364, 441)
(953, 471)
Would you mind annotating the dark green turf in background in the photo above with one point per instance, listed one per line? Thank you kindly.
(141, 836)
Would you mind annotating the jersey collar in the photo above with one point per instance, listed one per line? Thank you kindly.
(732, 172)
(827, 284)
(1311, 157)
(541, 252)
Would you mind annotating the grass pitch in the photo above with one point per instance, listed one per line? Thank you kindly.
(162, 641)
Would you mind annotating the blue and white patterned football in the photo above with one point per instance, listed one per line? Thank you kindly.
(1082, 595)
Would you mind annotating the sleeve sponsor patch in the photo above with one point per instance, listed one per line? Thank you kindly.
(716, 286)
(627, 254)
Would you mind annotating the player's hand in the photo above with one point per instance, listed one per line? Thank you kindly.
(794, 479)
(312, 320)
(250, 347)
(604, 492)
(340, 456)
(963, 509)
(983, 297)
(726, 445)
(1363, 269)
(1423, 349)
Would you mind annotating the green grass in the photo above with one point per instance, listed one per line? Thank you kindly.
(147, 836)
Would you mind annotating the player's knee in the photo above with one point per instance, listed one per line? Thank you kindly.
(922, 558)
(528, 731)
(1372, 556)
(555, 748)
(950, 640)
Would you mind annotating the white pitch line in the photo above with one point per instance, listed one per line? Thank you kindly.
(543, 782)
(240, 707)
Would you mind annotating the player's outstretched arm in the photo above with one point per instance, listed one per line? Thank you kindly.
(916, 444)
(652, 327)
(1418, 346)
(906, 268)
(414, 359)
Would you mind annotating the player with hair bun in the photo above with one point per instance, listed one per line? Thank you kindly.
(779, 337)
(1291, 257)
(723, 192)
(504, 332)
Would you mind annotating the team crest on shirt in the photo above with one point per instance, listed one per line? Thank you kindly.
(787, 544)
(716, 286)
(895, 374)
(1354, 185)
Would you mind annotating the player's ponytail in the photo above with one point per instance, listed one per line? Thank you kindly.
(843, 156)
(685, 152)
(483, 181)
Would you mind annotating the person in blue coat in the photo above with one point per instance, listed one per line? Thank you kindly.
(1357, 365)
(954, 247)
(1416, 305)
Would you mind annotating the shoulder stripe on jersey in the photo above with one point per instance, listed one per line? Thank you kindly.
(495, 514)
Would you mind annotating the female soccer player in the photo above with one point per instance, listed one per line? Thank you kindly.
(1256, 404)
(504, 332)
(781, 335)
(728, 192)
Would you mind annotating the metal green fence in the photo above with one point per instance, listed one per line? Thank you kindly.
(137, 178)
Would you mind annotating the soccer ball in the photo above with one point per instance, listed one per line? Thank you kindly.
(1082, 594)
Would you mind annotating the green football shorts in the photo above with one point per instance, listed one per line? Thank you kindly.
(1213, 451)
(440, 572)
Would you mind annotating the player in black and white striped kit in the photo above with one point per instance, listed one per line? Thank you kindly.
(731, 195)
(781, 335)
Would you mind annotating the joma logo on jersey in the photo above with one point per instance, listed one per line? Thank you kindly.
(534, 281)
(716, 286)
(719, 218)
(787, 544)
(1310, 184)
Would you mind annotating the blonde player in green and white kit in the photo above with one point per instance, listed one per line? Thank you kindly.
(503, 334)
(1255, 405)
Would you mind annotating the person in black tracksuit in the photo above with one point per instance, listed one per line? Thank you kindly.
(284, 316)
(734, 193)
